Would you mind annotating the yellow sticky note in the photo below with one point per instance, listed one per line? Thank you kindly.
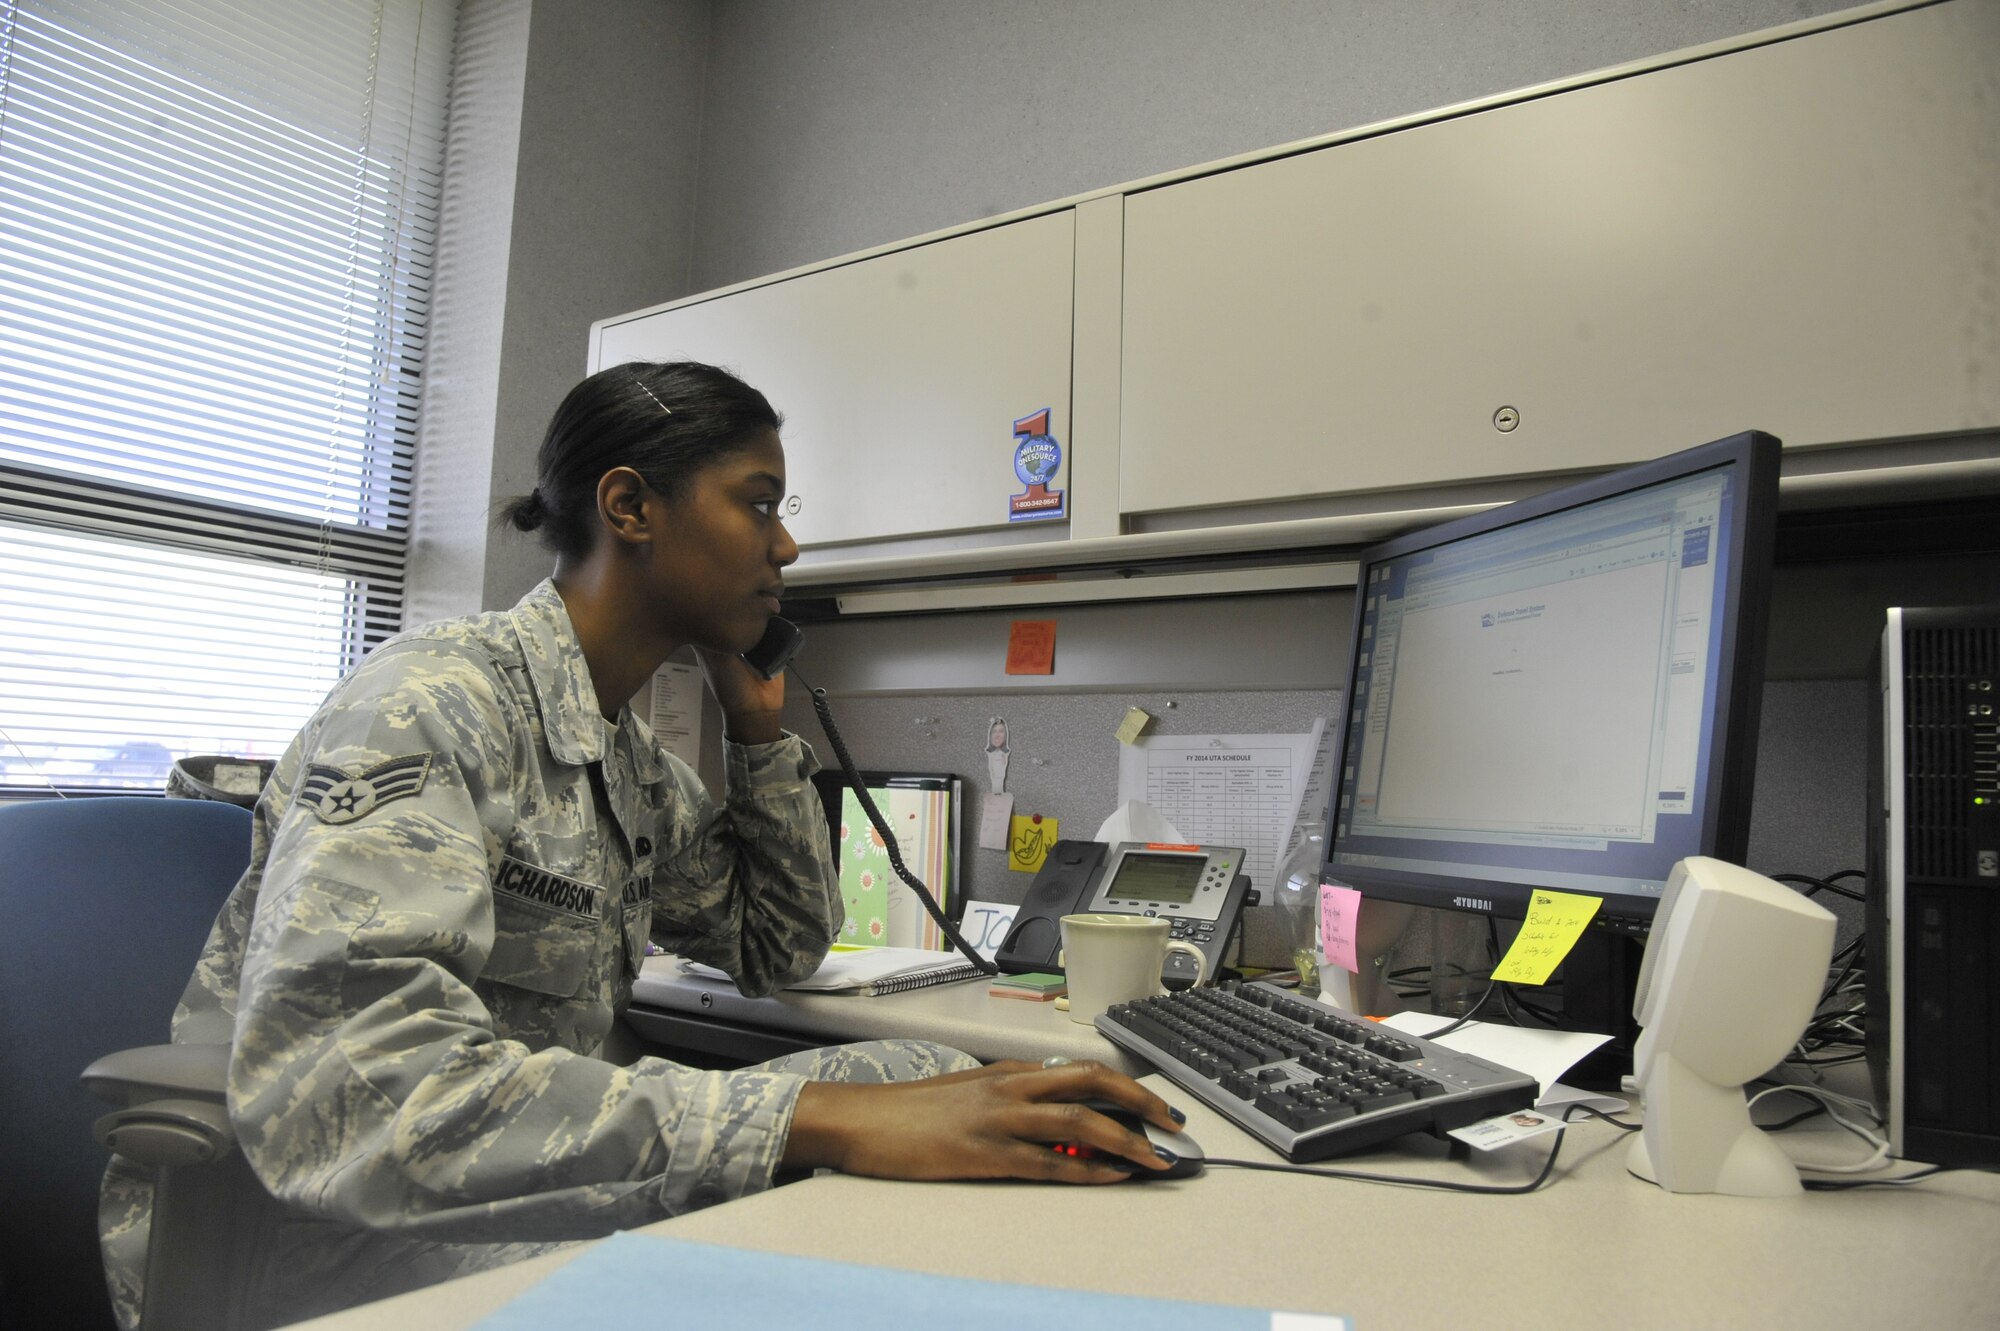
(1029, 837)
(1134, 725)
(1555, 919)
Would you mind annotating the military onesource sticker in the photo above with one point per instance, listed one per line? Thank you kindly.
(336, 796)
(1037, 456)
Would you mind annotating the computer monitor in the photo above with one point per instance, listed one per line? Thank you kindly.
(1560, 693)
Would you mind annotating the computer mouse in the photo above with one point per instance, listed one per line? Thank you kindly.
(1186, 1152)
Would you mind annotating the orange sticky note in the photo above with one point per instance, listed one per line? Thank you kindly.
(1031, 647)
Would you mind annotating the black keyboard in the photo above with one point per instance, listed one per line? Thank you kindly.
(1306, 1079)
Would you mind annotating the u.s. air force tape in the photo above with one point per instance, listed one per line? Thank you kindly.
(531, 882)
(337, 796)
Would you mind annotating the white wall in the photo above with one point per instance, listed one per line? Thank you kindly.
(834, 125)
(569, 194)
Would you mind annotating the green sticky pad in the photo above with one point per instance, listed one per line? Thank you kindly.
(1040, 981)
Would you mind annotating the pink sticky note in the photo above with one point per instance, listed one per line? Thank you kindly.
(1339, 915)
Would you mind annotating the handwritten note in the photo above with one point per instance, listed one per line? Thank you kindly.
(986, 924)
(996, 813)
(1031, 647)
(1339, 921)
(1555, 919)
(1028, 841)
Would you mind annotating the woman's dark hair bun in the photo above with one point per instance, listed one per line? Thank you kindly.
(526, 513)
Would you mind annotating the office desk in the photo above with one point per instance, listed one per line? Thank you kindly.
(708, 1015)
(1594, 1248)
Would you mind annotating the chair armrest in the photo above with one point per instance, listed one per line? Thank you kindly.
(149, 1071)
(175, 1110)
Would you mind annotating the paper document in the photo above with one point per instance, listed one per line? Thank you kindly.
(1543, 1055)
(675, 711)
(1225, 790)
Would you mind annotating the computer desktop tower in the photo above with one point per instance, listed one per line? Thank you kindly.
(1933, 910)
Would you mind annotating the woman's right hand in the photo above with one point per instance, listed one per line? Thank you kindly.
(998, 1121)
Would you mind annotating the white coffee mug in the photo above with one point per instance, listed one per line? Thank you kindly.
(1113, 959)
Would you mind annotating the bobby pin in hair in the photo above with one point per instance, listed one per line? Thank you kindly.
(651, 394)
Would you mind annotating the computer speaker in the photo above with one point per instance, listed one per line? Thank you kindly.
(1732, 973)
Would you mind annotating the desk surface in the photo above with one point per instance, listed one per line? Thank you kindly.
(964, 1016)
(1594, 1247)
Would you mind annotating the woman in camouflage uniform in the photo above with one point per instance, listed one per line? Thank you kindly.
(456, 869)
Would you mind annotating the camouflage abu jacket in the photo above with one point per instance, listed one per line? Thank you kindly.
(455, 871)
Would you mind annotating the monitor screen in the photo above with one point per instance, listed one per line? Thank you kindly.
(1562, 692)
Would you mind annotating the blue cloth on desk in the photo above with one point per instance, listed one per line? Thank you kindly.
(702, 1284)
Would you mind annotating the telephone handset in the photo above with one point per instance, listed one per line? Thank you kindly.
(1200, 890)
(769, 658)
(775, 649)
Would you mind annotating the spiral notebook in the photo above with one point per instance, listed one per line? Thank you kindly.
(873, 970)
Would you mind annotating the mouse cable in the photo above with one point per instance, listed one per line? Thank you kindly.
(889, 843)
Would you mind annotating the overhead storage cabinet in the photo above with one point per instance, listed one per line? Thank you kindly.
(1801, 237)
(899, 375)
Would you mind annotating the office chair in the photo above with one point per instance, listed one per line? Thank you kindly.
(107, 902)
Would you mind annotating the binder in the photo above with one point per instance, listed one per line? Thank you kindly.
(926, 811)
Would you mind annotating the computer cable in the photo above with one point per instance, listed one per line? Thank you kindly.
(1853, 956)
(1469, 1014)
(1830, 883)
(1837, 1021)
(1518, 1007)
(1415, 988)
(1834, 1103)
(881, 825)
(1617, 1123)
(1439, 1185)
(1893, 1181)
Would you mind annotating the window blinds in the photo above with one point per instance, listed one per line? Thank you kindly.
(215, 238)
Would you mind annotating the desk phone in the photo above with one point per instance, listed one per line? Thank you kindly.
(1200, 890)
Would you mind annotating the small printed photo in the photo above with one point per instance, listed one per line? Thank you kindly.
(1527, 1120)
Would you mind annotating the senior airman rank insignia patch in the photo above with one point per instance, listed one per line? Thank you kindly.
(338, 797)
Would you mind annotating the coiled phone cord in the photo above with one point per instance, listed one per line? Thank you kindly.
(881, 825)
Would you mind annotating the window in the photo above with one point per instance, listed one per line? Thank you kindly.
(215, 234)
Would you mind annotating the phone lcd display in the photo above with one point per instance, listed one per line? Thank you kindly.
(1157, 879)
